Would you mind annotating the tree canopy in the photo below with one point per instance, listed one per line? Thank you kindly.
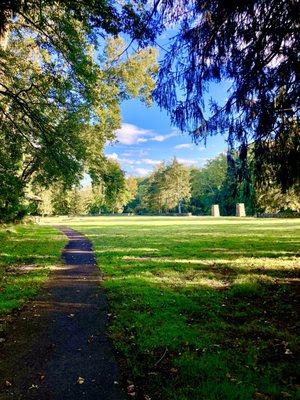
(195, 191)
(60, 92)
(254, 47)
(167, 187)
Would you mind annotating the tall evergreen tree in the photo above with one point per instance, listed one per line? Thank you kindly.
(253, 46)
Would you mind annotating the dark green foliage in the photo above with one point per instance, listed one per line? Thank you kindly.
(114, 181)
(221, 181)
(253, 46)
(11, 185)
(130, 17)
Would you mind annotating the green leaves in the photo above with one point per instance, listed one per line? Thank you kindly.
(167, 187)
(58, 104)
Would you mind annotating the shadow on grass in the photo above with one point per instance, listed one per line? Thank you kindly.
(27, 252)
(227, 344)
(203, 311)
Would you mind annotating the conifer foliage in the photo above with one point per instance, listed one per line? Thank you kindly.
(254, 47)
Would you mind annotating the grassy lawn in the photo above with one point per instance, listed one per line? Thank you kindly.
(27, 252)
(201, 308)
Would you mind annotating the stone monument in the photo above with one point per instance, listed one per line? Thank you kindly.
(240, 210)
(215, 211)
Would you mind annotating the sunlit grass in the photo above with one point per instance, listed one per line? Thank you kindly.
(202, 308)
(27, 252)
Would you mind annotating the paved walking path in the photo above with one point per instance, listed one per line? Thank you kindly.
(57, 349)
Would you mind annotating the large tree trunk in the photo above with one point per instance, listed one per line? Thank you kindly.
(4, 40)
(179, 207)
(4, 33)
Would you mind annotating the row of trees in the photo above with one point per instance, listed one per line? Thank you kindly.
(176, 188)
(171, 188)
(110, 195)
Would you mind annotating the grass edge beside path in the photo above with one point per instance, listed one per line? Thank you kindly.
(27, 254)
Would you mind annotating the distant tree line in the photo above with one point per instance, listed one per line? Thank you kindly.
(171, 188)
(108, 195)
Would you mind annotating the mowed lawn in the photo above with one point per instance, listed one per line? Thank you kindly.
(27, 253)
(201, 308)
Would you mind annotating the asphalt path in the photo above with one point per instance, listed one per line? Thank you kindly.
(57, 347)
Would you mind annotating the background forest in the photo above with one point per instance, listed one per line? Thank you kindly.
(171, 188)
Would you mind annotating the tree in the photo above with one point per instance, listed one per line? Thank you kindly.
(207, 184)
(59, 96)
(114, 185)
(253, 46)
(137, 203)
(130, 192)
(110, 194)
(60, 201)
(153, 199)
(223, 181)
(57, 200)
(100, 15)
(167, 187)
(177, 184)
(274, 201)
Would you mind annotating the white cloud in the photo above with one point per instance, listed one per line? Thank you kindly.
(149, 161)
(184, 146)
(128, 161)
(131, 134)
(142, 171)
(159, 138)
(197, 162)
(189, 161)
(113, 156)
(162, 138)
(142, 140)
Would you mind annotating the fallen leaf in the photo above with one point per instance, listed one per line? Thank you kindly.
(33, 387)
(286, 395)
(261, 396)
(130, 388)
(90, 338)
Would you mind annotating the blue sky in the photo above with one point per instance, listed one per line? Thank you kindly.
(147, 138)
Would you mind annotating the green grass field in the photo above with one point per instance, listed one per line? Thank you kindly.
(27, 252)
(201, 308)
